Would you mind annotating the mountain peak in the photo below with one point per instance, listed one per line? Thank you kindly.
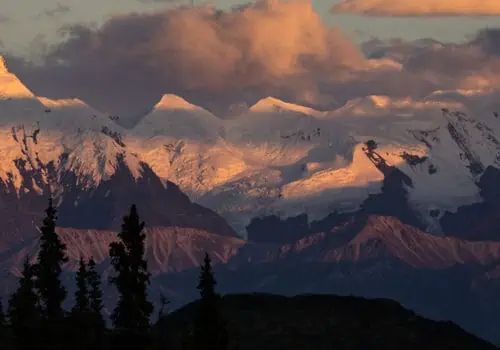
(10, 85)
(270, 104)
(273, 104)
(170, 101)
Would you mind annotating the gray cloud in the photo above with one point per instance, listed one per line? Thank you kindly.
(58, 10)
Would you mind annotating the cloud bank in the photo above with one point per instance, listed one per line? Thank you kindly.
(268, 48)
(419, 7)
(262, 48)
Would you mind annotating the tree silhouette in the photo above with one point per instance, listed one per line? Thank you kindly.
(82, 292)
(209, 329)
(48, 283)
(48, 269)
(2, 314)
(97, 323)
(4, 341)
(23, 310)
(95, 293)
(131, 315)
(87, 324)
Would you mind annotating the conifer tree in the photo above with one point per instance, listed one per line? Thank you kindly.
(79, 317)
(82, 294)
(23, 310)
(87, 324)
(48, 269)
(131, 315)
(98, 325)
(4, 341)
(209, 329)
(48, 282)
(95, 293)
(2, 315)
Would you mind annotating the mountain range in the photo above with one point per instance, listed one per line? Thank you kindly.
(380, 198)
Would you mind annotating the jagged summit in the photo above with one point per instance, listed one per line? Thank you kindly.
(10, 85)
(175, 117)
(388, 236)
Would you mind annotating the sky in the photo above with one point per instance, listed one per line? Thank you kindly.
(121, 56)
(25, 25)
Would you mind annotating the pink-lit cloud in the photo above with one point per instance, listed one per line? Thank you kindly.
(419, 8)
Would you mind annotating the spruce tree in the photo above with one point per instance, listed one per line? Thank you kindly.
(87, 324)
(5, 336)
(23, 310)
(79, 317)
(82, 293)
(97, 323)
(95, 293)
(209, 329)
(4, 341)
(48, 282)
(2, 314)
(131, 315)
(48, 269)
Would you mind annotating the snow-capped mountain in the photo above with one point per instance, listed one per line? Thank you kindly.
(274, 158)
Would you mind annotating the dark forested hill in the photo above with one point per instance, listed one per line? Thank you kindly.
(265, 322)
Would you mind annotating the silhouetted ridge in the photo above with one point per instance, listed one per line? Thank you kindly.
(268, 322)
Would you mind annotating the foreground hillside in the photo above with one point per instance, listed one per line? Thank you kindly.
(263, 321)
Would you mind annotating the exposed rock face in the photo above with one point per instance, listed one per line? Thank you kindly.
(103, 207)
(168, 249)
(478, 221)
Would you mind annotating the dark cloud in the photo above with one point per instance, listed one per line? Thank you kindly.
(4, 19)
(488, 41)
(215, 58)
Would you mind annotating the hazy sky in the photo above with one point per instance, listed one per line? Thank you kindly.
(26, 24)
